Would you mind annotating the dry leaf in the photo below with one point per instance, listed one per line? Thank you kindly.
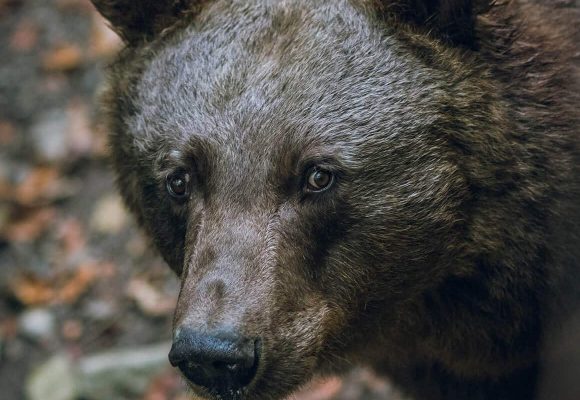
(162, 385)
(32, 291)
(137, 245)
(6, 190)
(320, 390)
(8, 327)
(149, 299)
(101, 143)
(78, 284)
(28, 225)
(25, 37)
(63, 58)
(7, 133)
(66, 287)
(72, 329)
(41, 185)
(373, 381)
(79, 133)
(35, 185)
(72, 236)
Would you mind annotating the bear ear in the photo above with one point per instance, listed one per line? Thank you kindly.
(451, 20)
(136, 20)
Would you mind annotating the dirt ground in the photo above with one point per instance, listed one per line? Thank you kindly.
(77, 279)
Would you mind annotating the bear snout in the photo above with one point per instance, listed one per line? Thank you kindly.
(220, 362)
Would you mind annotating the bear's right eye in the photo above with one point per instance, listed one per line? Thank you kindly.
(178, 185)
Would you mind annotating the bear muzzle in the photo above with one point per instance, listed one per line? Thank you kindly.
(221, 362)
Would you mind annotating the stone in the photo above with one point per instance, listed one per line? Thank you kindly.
(37, 324)
(105, 375)
(53, 380)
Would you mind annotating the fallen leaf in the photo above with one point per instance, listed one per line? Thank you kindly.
(42, 185)
(162, 385)
(149, 299)
(79, 133)
(71, 235)
(101, 143)
(8, 327)
(25, 37)
(31, 291)
(136, 246)
(107, 270)
(28, 225)
(373, 381)
(320, 390)
(65, 57)
(35, 185)
(78, 284)
(72, 329)
(6, 191)
(7, 133)
(62, 287)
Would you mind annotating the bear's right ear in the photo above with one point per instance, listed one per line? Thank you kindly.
(137, 20)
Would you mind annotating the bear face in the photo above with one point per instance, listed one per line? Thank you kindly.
(314, 172)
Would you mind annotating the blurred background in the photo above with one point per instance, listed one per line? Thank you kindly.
(85, 304)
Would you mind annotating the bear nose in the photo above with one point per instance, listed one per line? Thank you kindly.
(219, 362)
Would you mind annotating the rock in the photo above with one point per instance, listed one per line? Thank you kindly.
(53, 380)
(38, 324)
(106, 375)
(109, 375)
(109, 216)
(100, 310)
(49, 135)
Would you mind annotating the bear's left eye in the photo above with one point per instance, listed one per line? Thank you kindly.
(178, 184)
(318, 179)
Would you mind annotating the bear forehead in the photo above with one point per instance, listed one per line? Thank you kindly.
(260, 71)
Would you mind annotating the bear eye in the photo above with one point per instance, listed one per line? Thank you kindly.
(178, 184)
(318, 179)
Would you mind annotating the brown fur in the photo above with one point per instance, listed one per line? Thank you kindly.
(445, 255)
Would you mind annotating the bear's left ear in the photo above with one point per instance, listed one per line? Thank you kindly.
(136, 20)
(451, 20)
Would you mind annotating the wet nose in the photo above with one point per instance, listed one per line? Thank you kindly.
(219, 361)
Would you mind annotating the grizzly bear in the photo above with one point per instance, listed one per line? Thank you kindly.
(389, 183)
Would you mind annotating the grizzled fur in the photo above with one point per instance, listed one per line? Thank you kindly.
(450, 237)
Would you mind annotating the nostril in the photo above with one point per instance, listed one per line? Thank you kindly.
(217, 362)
